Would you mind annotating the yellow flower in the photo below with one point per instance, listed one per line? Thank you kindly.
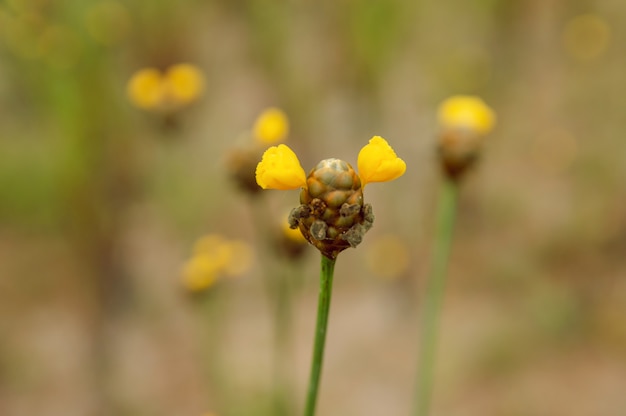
(185, 83)
(150, 89)
(213, 257)
(280, 169)
(213, 247)
(239, 258)
(145, 88)
(467, 112)
(271, 126)
(200, 273)
(378, 162)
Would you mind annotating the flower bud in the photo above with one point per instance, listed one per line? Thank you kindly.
(332, 216)
(464, 121)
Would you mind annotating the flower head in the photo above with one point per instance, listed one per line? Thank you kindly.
(145, 88)
(184, 83)
(271, 126)
(213, 257)
(178, 86)
(464, 120)
(378, 162)
(280, 169)
(466, 112)
(332, 215)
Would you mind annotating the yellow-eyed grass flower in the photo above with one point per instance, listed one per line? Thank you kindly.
(378, 162)
(464, 122)
(165, 92)
(280, 169)
(271, 126)
(215, 257)
(332, 216)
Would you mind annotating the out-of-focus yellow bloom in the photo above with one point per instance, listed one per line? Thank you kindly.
(213, 257)
(271, 126)
(378, 162)
(145, 88)
(586, 36)
(280, 169)
(293, 234)
(199, 273)
(389, 257)
(184, 83)
(466, 112)
(215, 248)
(152, 90)
(239, 258)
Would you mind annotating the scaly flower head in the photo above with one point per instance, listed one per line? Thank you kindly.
(464, 120)
(466, 112)
(332, 215)
(280, 169)
(271, 126)
(378, 162)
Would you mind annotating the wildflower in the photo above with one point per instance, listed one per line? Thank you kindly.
(332, 215)
(464, 121)
(199, 273)
(466, 112)
(280, 169)
(378, 162)
(272, 126)
(214, 257)
(178, 86)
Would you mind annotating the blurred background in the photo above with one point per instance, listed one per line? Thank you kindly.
(104, 194)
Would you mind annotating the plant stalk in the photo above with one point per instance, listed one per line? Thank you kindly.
(435, 288)
(323, 307)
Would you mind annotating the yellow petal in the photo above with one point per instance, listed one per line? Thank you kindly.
(280, 169)
(466, 111)
(272, 126)
(378, 162)
(145, 88)
(185, 83)
(199, 273)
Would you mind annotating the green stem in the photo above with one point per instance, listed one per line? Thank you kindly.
(323, 306)
(446, 214)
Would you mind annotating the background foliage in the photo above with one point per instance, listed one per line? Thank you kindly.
(100, 203)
